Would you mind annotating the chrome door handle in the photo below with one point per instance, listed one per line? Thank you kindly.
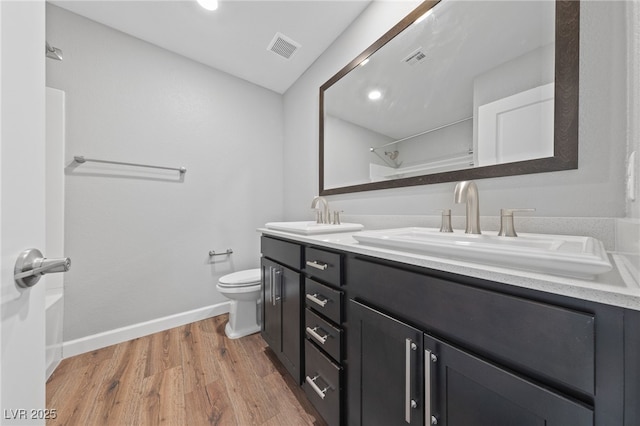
(314, 298)
(429, 359)
(317, 265)
(31, 265)
(312, 382)
(271, 286)
(321, 339)
(409, 403)
(277, 275)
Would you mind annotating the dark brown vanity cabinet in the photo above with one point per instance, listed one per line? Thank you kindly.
(281, 302)
(486, 354)
(404, 377)
(302, 318)
(377, 342)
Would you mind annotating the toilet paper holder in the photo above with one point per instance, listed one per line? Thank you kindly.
(226, 253)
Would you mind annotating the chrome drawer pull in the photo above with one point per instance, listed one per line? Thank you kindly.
(317, 265)
(314, 298)
(315, 335)
(312, 382)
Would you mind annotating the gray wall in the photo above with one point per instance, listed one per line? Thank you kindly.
(139, 240)
(633, 49)
(596, 189)
(348, 158)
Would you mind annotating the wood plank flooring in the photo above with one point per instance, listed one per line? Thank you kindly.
(191, 375)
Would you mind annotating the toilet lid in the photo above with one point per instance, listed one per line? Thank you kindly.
(241, 278)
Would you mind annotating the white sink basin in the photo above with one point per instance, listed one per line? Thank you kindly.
(582, 257)
(313, 228)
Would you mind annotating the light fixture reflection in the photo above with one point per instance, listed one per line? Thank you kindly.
(374, 95)
(365, 62)
(423, 17)
(208, 4)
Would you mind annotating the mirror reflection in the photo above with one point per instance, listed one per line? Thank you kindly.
(468, 84)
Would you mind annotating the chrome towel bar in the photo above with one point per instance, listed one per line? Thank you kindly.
(226, 253)
(80, 159)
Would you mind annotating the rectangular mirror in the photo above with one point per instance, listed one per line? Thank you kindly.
(457, 90)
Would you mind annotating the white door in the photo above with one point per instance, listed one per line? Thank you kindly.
(516, 128)
(22, 201)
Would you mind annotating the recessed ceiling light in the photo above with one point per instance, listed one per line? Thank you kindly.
(375, 95)
(208, 4)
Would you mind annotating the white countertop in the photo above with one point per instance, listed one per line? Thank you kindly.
(617, 287)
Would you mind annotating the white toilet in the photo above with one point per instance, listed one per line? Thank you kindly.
(243, 288)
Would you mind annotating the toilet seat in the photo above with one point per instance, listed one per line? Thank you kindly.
(247, 278)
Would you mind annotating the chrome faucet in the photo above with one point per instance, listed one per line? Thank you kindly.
(321, 217)
(467, 191)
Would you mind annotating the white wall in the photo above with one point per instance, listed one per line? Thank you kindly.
(594, 190)
(55, 161)
(633, 33)
(139, 240)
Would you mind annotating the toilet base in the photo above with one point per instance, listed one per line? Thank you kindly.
(243, 319)
(236, 334)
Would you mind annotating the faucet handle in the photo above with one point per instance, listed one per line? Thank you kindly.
(507, 228)
(445, 224)
(336, 217)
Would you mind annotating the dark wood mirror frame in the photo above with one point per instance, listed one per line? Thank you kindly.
(565, 156)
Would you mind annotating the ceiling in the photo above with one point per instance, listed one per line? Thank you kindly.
(234, 38)
(440, 89)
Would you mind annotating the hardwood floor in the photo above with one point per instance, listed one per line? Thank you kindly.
(191, 375)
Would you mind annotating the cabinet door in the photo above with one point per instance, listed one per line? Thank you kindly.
(463, 390)
(289, 296)
(281, 315)
(385, 372)
(271, 309)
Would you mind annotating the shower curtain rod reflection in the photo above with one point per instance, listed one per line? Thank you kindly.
(80, 159)
(373, 149)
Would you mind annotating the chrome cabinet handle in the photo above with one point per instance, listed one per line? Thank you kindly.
(429, 359)
(277, 275)
(321, 339)
(312, 382)
(318, 265)
(409, 403)
(314, 298)
(271, 286)
(31, 265)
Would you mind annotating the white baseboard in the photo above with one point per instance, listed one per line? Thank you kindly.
(119, 335)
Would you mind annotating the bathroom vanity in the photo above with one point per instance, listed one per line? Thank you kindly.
(384, 338)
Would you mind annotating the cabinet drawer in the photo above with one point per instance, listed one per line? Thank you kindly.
(324, 265)
(539, 339)
(289, 254)
(324, 334)
(322, 384)
(324, 299)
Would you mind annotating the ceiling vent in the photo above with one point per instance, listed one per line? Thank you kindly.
(283, 46)
(415, 57)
